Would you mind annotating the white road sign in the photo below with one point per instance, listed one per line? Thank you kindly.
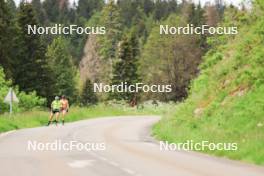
(11, 97)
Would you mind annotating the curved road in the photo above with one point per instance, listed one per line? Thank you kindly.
(129, 151)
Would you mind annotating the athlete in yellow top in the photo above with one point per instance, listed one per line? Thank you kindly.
(64, 107)
(55, 110)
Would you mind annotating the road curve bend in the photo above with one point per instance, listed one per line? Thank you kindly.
(129, 150)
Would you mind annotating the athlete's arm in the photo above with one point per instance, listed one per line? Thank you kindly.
(61, 105)
(68, 105)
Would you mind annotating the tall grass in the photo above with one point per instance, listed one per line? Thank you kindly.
(226, 101)
(40, 117)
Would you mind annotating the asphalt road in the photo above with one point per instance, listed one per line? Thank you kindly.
(129, 151)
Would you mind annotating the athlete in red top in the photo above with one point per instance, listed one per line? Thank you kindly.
(64, 107)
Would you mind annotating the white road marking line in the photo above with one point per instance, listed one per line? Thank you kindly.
(81, 163)
(113, 163)
(128, 171)
(102, 158)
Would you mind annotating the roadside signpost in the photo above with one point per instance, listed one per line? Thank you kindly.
(10, 98)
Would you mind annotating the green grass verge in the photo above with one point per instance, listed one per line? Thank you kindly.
(241, 122)
(226, 101)
(40, 117)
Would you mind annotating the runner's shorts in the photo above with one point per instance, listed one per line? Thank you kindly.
(54, 111)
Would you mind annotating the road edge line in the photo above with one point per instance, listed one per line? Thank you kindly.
(6, 133)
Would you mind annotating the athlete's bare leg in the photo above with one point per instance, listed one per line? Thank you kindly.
(57, 117)
(63, 115)
(50, 118)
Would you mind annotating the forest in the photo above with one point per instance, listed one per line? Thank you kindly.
(42, 66)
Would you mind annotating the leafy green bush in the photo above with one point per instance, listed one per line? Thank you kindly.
(30, 101)
(26, 101)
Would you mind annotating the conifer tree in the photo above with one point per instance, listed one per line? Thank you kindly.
(40, 12)
(86, 8)
(112, 21)
(125, 69)
(199, 20)
(51, 8)
(161, 9)
(32, 71)
(88, 96)
(11, 5)
(60, 61)
(173, 5)
(7, 32)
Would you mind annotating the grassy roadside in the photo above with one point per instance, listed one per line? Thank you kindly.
(40, 117)
(226, 101)
(242, 123)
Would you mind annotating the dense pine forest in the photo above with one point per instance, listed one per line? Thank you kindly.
(42, 66)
